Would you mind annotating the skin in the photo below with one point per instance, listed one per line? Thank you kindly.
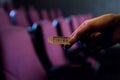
(105, 29)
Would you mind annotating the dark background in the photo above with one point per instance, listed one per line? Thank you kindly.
(96, 7)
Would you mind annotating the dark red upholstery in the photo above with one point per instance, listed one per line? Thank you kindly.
(44, 14)
(52, 14)
(9, 6)
(19, 58)
(4, 18)
(65, 27)
(34, 15)
(59, 13)
(54, 52)
(21, 18)
(74, 22)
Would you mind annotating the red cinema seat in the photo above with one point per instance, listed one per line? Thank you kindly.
(18, 56)
(34, 15)
(20, 17)
(44, 14)
(4, 18)
(52, 14)
(73, 22)
(59, 13)
(54, 52)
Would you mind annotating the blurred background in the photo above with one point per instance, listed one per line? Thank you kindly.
(25, 54)
(72, 7)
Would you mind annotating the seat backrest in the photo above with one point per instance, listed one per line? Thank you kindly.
(44, 14)
(52, 14)
(19, 59)
(74, 22)
(20, 18)
(4, 18)
(9, 6)
(59, 13)
(34, 15)
(1, 5)
(54, 52)
(65, 27)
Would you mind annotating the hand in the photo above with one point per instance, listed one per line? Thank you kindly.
(100, 32)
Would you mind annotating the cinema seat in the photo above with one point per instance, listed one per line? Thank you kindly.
(20, 17)
(34, 15)
(54, 52)
(4, 18)
(18, 56)
(73, 22)
(44, 14)
(52, 14)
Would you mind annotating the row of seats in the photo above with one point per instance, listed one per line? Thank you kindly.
(18, 56)
(27, 18)
(25, 48)
(18, 17)
(20, 60)
(6, 5)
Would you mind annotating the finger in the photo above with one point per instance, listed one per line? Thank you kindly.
(80, 31)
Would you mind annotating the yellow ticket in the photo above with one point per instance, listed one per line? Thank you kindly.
(59, 40)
